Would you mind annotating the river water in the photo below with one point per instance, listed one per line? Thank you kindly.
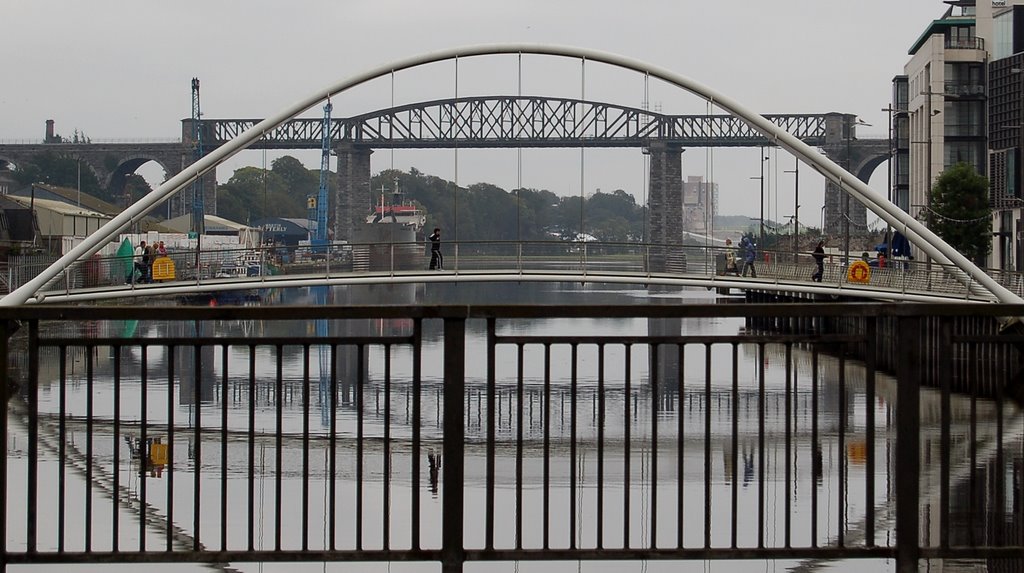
(811, 492)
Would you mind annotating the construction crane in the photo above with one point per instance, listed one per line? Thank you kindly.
(318, 205)
(198, 211)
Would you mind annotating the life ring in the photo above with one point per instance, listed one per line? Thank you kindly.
(859, 272)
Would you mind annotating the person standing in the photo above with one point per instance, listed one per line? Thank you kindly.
(436, 258)
(749, 254)
(730, 258)
(140, 262)
(819, 259)
(148, 254)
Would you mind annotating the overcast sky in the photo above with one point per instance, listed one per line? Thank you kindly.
(123, 70)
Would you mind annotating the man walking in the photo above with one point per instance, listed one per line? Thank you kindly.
(436, 258)
(819, 259)
(749, 254)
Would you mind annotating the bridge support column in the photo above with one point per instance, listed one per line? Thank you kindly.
(859, 157)
(665, 207)
(352, 202)
(837, 209)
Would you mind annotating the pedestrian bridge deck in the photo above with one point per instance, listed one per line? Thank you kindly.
(699, 266)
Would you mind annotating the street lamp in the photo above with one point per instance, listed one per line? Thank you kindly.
(796, 224)
(796, 204)
(846, 196)
(892, 167)
(761, 178)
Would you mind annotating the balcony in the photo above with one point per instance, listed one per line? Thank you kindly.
(965, 44)
(962, 89)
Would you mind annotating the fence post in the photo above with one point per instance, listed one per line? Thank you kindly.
(7, 328)
(908, 447)
(452, 551)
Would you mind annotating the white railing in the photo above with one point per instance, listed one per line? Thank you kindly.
(511, 257)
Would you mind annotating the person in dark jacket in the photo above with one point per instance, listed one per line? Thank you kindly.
(749, 254)
(436, 258)
(819, 259)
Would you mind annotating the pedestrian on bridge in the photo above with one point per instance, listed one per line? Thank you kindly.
(819, 259)
(730, 258)
(749, 251)
(143, 254)
(436, 258)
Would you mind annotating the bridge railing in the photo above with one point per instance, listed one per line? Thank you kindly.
(210, 266)
(456, 434)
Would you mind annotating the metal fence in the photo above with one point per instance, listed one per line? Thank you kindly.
(217, 266)
(469, 434)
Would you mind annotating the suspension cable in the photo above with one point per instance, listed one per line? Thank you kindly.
(391, 127)
(519, 157)
(583, 91)
(455, 191)
(646, 163)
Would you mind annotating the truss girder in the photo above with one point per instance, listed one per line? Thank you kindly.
(521, 121)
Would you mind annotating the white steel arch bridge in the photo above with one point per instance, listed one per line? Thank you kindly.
(783, 273)
(978, 284)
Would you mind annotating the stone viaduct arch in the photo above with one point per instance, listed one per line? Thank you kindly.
(862, 156)
(917, 233)
(110, 163)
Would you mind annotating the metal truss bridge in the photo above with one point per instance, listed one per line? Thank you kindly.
(521, 121)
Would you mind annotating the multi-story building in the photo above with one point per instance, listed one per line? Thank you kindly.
(943, 90)
(962, 99)
(1006, 135)
(700, 205)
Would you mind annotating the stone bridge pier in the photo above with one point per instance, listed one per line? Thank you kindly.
(352, 201)
(665, 205)
(858, 156)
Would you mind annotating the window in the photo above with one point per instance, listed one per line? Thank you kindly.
(970, 152)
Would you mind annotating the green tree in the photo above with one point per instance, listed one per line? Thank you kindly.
(297, 178)
(137, 187)
(960, 211)
(253, 193)
(63, 171)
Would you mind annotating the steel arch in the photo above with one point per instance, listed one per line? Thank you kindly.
(915, 231)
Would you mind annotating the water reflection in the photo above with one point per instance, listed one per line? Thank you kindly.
(639, 444)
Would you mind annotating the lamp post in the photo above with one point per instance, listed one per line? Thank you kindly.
(851, 121)
(892, 167)
(761, 178)
(928, 132)
(796, 205)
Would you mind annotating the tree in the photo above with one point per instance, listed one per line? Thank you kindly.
(297, 178)
(253, 193)
(960, 211)
(63, 171)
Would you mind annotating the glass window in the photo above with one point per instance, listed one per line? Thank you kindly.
(970, 152)
(1011, 174)
(964, 118)
(1002, 35)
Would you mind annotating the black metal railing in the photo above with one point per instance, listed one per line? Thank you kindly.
(457, 434)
